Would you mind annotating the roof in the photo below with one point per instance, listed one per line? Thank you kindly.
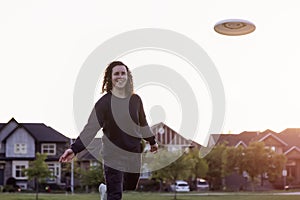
(234, 139)
(291, 149)
(44, 133)
(168, 136)
(38, 131)
(262, 136)
(291, 136)
(92, 151)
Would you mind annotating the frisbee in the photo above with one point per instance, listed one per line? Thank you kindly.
(234, 27)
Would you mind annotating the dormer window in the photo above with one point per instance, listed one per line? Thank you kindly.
(49, 149)
(20, 148)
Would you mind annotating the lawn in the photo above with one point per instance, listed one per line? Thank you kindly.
(154, 196)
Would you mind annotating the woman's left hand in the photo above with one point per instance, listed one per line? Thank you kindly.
(154, 148)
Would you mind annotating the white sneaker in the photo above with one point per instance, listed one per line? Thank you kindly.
(102, 191)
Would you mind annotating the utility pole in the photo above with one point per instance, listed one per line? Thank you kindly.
(72, 172)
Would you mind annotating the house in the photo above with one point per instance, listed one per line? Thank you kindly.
(166, 137)
(285, 142)
(19, 143)
(91, 155)
(170, 139)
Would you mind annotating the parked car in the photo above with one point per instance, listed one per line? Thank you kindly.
(202, 184)
(180, 186)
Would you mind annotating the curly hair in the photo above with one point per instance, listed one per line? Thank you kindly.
(107, 82)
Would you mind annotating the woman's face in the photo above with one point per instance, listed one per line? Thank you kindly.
(119, 77)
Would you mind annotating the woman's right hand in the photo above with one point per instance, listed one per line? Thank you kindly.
(67, 156)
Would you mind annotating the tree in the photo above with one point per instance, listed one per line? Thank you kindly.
(233, 158)
(259, 160)
(66, 169)
(215, 161)
(254, 160)
(199, 166)
(276, 163)
(178, 169)
(38, 171)
(93, 176)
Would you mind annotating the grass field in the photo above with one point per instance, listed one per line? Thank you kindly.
(154, 196)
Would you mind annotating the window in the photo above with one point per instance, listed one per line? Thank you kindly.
(273, 148)
(20, 148)
(49, 149)
(55, 171)
(18, 169)
(94, 164)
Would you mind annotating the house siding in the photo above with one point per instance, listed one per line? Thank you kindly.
(5, 132)
(7, 170)
(20, 136)
(270, 141)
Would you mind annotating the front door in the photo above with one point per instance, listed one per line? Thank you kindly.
(1, 174)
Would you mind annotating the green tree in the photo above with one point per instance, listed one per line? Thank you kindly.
(259, 160)
(215, 161)
(276, 163)
(254, 161)
(92, 177)
(66, 169)
(38, 171)
(178, 169)
(199, 167)
(233, 157)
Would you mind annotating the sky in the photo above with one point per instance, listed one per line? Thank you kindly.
(44, 45)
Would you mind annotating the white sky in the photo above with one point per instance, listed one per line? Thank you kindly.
(43, 45)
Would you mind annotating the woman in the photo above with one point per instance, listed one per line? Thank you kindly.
(121, 116)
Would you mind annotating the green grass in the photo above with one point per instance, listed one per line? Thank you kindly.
(153, 196)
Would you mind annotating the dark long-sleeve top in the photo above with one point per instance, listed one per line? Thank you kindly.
(123, 122)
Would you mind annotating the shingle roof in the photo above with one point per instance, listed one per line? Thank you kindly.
(38, 131)
(92, 151)
(44, 133)
(291, 136)
(234, 139)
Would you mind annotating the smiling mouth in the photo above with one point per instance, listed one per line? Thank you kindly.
(120, 82)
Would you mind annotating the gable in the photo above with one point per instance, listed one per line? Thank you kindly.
(167, 136)
(7, 129)
(241, 144)
(20, 136)
(272, 140)
(293, 153)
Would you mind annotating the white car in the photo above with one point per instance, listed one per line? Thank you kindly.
(202, 184)
(180, 186)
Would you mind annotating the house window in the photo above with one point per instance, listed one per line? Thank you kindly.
(55, 171)
(94, 164)
(49, 149)
(18, 169)
(20, 148)
(273, 148)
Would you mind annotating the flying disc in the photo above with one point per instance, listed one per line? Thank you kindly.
(234, 27)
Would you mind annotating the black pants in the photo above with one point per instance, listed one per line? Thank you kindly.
(117, 181)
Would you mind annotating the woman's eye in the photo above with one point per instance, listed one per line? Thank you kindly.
(118, 73)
